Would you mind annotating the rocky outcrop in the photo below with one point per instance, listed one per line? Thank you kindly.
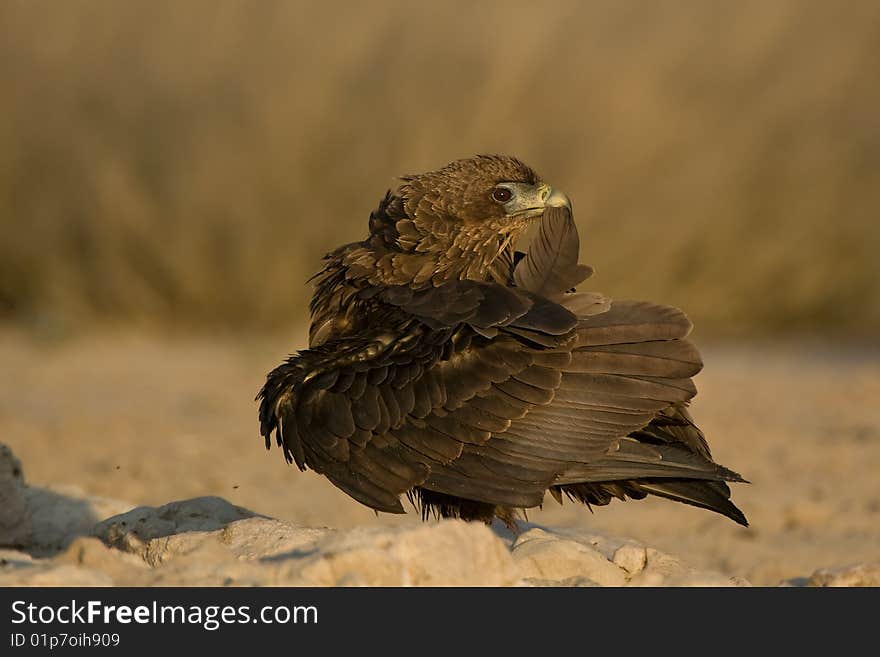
(209, 542)
(45, 520)
(62, 537)
(15, 526)
(867, 574)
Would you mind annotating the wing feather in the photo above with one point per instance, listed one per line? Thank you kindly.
(551, 265)
(495, 394)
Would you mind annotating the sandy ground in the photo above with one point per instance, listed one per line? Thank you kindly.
(152, 420)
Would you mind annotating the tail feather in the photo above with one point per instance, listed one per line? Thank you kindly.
(711, 495)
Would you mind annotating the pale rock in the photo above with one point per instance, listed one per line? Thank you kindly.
(43, 572)
(250, 539)
(178, 527)
(602, 543)
(665, 570)
(91, 554)
(631, 557)
(212, 564)
(544, 556)
(15, 524)
(209, 542)
(865, 574)
(571, 582)
(263, 552)
(259, 537)
(352, 580)
(605, 545)
(46, 520)
(698, 578)
(447, 553)
(659, 568)
(60, 514)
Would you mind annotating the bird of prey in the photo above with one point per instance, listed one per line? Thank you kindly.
(445, 366)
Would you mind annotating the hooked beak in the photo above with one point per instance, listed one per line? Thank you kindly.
(556, 199)
(531, 201)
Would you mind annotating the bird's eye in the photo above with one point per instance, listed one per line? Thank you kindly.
(502, 194)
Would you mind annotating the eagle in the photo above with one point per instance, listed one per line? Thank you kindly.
(445, 366)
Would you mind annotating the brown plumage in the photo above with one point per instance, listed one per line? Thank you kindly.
(447, 367)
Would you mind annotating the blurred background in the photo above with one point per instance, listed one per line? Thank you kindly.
(171, 173)
(186, 163)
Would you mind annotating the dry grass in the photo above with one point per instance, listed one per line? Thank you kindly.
(185, 163)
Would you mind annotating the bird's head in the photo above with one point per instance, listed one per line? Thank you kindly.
(493, 193)
(456, 221)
